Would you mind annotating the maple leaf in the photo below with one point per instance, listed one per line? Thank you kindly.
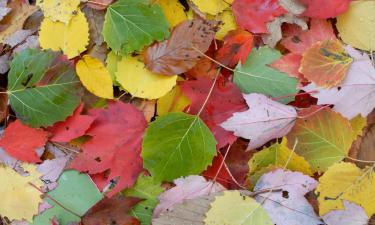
(219, 171)
(325, 63)
(290, 64)
(107, 150)
(294, 186)
(331, 8)
(357, 92)
(252, 15)
(73, 127)
(21, 141)
(186, 188)
(264, 121)
(224, 100)
(237, 46)
(298, 40)
(178, 54)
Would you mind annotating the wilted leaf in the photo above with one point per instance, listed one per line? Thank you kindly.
(178, 54)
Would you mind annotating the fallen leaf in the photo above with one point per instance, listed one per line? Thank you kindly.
(130, 25)
(325, 63)
(4, 10)
(99, 4)
(19, 193)
(21, 141)
(353, 214)
(228, 23)
(212, 7)
(365, 149)
(252, 15)
(178, 54)
(331, 9)
(239, 210)
(184, 151)
(255, 76)
(218, 171)
(186, 188)
(356, 26)
(224, 100)
(58, 10)
(107, 150)
(357, 92)
(264, 121)
(17, 37)
(95, 20)
(95, 77)
(344, 181)
(322, 138)
(51, 170)
(280, 205)
(139, 82)
(73, 127)
(290, 64)
(173, 101)
(173, 11)
(111, 211)
(237, 46)
(72, 38)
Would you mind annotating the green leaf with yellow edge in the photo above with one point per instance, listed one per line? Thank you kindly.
(345, 181)
(356, 26)
(212, 7)
(132, 75)
(130, 25)
(278, 155)
(177, 144)
(173, 101)
(95, 77)
(322, 138)
(173, 11)
(236, 209)
(358, 123)
(20, 200)
(44, 93)
(75, 192)
(145, 188)
(72, 38)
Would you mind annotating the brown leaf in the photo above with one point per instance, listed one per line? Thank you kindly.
(99, 4)
(364, 148)
(111, 211)
(4, 110)
(179, 53)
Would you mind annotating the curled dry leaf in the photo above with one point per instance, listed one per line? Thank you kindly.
(183, 49)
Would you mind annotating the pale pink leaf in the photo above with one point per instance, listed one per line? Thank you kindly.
(265, 120)
(353, 214)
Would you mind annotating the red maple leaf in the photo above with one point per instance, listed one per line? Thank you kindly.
(253, 15)
(225, 99)
(219, 172)
(115, 145)
(236, 48)
(21, 141)
(289, 64)
(73, 127)
(322, 9)
(298, 40)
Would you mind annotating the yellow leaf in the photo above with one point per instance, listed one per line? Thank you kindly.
(173, 11)
(111, 61)
(233, 208)
(357, 25)
(229, 23)
(277, 155)
(58, 10)
(212, 7)
(95, 77)
(345, 181)
(71, 38)
(19, 200)
(174, 101)
(358, 123)
(140, 82)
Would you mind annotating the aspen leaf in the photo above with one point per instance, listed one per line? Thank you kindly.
(95, 77)
(58, 10)
(345, 181)
(233, 208)
(20, 200)
(139, 82)
(357, 25)
(229, 23)
(71, 38)
(173, 11)
(353, 214)
(212, 7)
(173, 101)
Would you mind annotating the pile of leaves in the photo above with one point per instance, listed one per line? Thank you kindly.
(163, 112)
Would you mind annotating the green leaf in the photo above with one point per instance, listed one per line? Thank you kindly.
(177, 144)
(323, 138)
(145, 188)
(130, 25)
(42, 88)
(75, 192)
(255, 76)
